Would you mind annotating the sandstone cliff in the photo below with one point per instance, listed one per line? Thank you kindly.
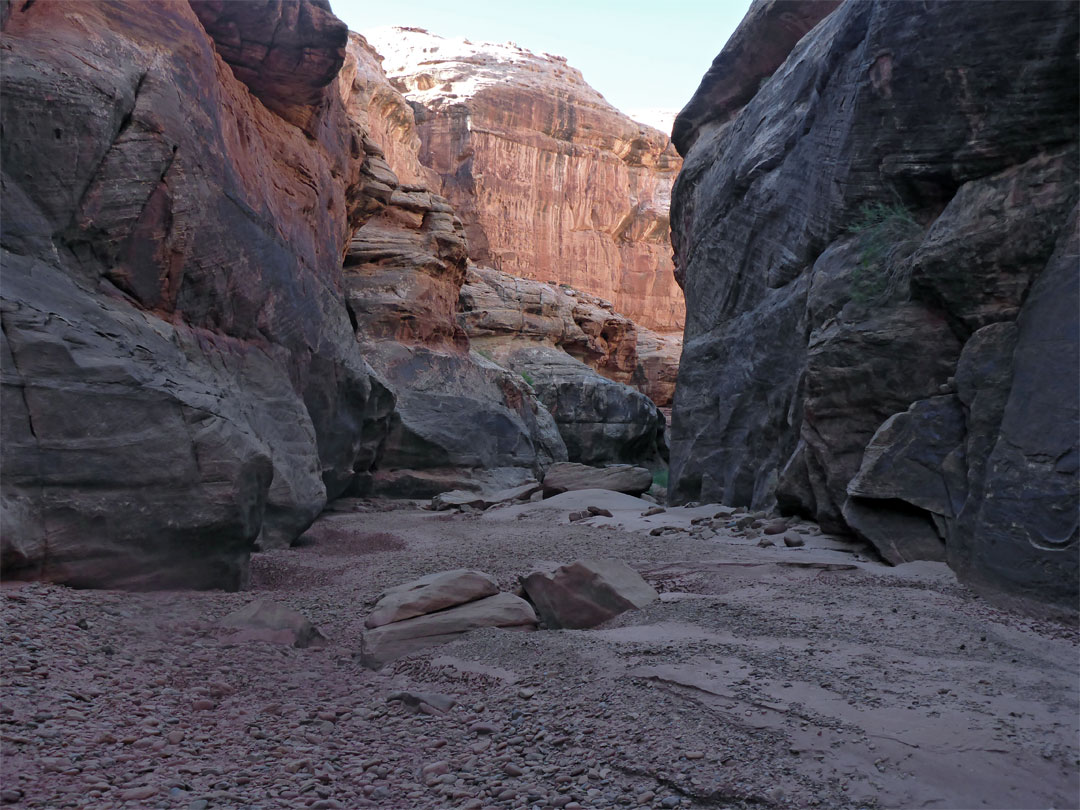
(879, 257)
(551, 182)
(180, 378)
(459, 419)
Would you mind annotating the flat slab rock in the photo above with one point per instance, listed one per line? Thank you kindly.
(567, 476)
(383, 644)
(429, 594)
(265, 620)
(458, 498)
(587, 592)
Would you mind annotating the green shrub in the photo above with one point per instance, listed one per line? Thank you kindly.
(887, 235)
(527, 377)
(660, 477)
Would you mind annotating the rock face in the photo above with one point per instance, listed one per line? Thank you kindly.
(285, 52)
(500, 310)
(383, 113)
(878, 249)
(180, 377)
(456, 412)
(551, 182)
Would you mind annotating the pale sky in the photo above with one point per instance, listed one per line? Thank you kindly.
(638, 54)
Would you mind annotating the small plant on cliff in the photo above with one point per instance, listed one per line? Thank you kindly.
(887, 236)
(527, 377)
(660, 477)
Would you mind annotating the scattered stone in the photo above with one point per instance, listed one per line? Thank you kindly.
(793, 540)
(655, 510)
(587, 592)
(137, 794)
(775, 527)
(443, 703)
(763, 543)
(429, 594)
(430, 773)
(598, 512)
(264, 620)
(576, 516)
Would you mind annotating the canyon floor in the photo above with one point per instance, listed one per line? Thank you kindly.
(764, 677)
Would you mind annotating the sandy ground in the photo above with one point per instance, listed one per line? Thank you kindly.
(764, 678)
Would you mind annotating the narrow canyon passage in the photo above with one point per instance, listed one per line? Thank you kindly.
(763, 677)
(346, 364)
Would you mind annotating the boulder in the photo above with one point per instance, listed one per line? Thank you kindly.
(455, 499)
(600, 420)
(587, 592)
(514, 494)
(567, 476)
(264, 620)
(383, 644)
(429, 594)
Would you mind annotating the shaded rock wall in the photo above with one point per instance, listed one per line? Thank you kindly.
(180, 376)
(551, 182)
(871, 249)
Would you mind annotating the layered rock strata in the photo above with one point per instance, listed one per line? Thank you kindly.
(180, 376)
(551, 182)
(497, 308)
(879, 257)
(578, 355)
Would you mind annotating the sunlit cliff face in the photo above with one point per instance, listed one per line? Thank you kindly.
(551, 182)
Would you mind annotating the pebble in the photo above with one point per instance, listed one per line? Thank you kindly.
(134, 794)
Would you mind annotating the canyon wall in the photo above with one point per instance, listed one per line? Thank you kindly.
(230, 294)
(180, 377)
(877, 238)
(551, 182)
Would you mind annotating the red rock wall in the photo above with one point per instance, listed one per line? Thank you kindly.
(181, 380)
(551, 182)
